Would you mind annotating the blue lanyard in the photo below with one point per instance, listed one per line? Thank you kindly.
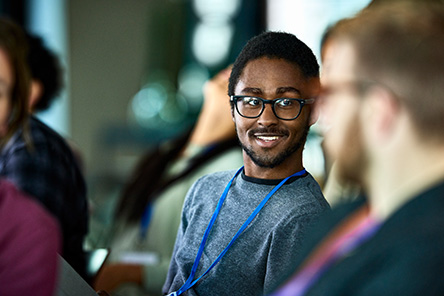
(189, 283)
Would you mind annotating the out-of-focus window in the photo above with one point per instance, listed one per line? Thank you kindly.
(47, 19)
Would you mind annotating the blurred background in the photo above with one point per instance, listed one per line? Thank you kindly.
(134, 69)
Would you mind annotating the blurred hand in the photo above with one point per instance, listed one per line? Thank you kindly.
(113, 275)
(215, 122)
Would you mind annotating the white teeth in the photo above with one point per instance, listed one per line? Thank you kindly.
(263, 138)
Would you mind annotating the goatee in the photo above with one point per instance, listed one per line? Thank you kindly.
(263, 160)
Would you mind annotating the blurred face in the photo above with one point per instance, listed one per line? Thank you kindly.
(340, 106)
(267, 140)
(6, 84)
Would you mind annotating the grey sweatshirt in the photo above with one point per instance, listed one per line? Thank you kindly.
(263, 252)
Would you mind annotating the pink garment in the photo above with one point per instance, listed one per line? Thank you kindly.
(29, 243)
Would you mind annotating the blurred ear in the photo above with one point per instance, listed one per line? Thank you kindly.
(315, 111)
(315, 86)
(383, 112)
(35, 94)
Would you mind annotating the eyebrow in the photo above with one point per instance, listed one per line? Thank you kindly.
(279, 90)
(252, 90)
(291, 89)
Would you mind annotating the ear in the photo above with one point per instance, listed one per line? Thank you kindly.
(35, 94)
(383, 112)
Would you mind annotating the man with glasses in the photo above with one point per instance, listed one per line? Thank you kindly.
(240, 230)
(383, 105)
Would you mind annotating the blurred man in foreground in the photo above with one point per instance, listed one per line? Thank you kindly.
(383, 106)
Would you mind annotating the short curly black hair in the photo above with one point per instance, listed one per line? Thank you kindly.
(45, 67)
(278, 45)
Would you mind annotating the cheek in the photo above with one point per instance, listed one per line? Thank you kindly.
(242, 124)
(338, 118)
(333, 140)
(297, 127)
(327, 110)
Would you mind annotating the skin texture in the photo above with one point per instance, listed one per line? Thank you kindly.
(273, 147)
(6, 81)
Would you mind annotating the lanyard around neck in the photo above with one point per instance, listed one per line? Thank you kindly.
(189, 283)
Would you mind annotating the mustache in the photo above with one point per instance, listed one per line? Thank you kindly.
(271, 131)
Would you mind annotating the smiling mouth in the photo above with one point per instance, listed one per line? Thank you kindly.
(268, 141)
(268, 138)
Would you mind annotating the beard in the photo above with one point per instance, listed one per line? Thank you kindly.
(352, 160)
(264, 159)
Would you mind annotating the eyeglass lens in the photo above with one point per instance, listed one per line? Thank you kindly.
(283, 108)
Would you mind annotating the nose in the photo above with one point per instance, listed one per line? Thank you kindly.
(267, 117)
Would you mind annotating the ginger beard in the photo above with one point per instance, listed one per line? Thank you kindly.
(351, 157)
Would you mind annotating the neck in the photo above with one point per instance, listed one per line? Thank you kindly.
(285, 169)
(409, 176)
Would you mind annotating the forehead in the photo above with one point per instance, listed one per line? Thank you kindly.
(339, 63)
(265, 73)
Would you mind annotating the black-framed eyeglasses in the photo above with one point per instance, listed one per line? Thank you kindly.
(283, 108)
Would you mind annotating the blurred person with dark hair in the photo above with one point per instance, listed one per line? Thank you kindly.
(46, 83)
(29, 235)
(242, 228)
(46, 75)
(39, 162)
(382, 108)
(147, 215)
